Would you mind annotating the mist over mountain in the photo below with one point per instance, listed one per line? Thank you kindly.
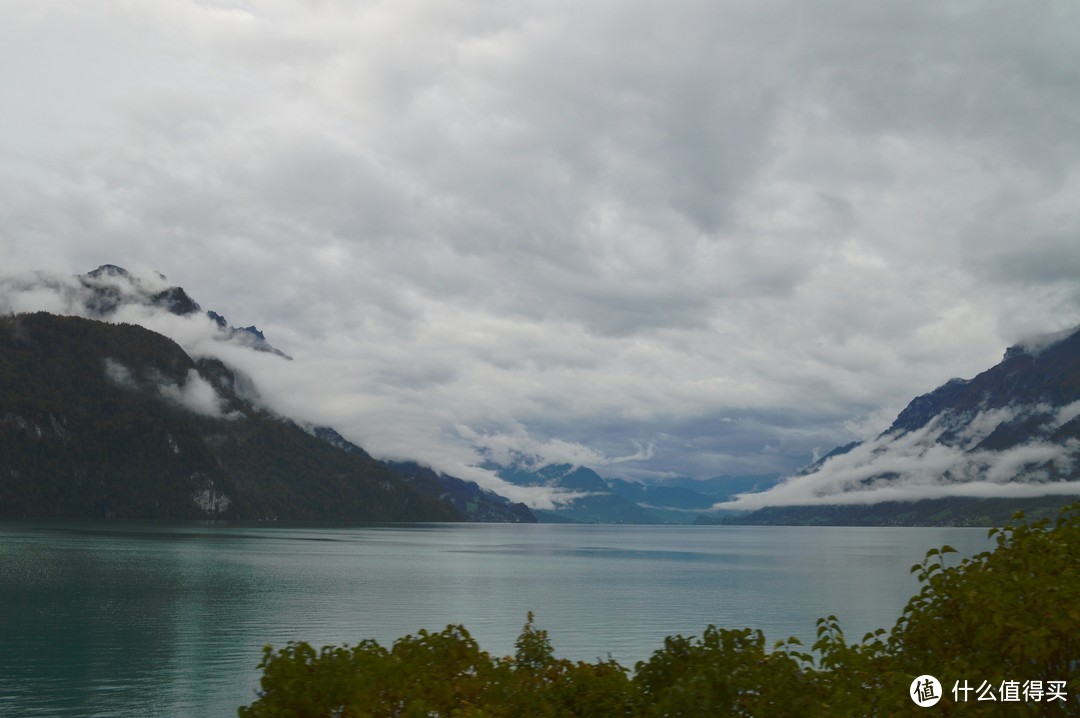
(471, 501)
(110, 287)
(102, 420)
(587, 497)
(584, 497)
(111, 293)
(1011, 432)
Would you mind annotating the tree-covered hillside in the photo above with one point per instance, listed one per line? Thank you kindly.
(112, 420)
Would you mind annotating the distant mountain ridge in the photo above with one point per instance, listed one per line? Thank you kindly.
(473, 502)
(588, 497)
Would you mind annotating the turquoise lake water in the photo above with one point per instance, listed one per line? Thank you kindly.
(124, 619)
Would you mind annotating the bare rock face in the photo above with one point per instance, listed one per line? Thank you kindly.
(109, 288)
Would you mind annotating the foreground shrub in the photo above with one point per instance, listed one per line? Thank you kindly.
(724, 673)
(1006, 622)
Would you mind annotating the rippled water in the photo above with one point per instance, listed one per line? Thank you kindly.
(117, 619)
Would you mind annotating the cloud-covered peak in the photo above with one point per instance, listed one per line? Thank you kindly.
(110, 287)
(1035, 345)
(113, 293)
(1013, 430)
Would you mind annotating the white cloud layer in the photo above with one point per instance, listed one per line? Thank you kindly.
(921, 464)
(197, 395)
(667, 239)
(194, 394)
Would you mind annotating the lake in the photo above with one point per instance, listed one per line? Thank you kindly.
(134, 619)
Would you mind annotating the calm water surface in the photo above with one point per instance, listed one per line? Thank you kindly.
(115, 619)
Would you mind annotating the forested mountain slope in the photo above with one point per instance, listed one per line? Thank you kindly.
(113, 420)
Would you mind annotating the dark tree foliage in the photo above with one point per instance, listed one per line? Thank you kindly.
(1007, 615)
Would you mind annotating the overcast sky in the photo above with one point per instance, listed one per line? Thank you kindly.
(655, 238)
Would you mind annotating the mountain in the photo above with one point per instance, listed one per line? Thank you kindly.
(469, 498)
(669, 497)
(589, 498)
(1009, 436)
(104, 420)
(472, 502)
(112, 294)
(561, 476)
(109, 288)
(716, 488)
(586, 497)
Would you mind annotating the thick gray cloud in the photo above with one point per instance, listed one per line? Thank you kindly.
(678, 238)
